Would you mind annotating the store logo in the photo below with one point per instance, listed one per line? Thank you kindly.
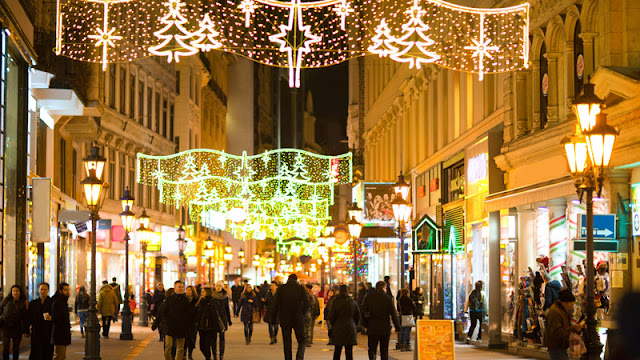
(477, 168)
(545, 84)
(636, 224)
(580, 66)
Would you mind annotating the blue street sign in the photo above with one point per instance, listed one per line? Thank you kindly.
(604, 226)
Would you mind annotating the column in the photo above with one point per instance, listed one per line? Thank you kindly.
(495, 285)
(535, 95)
(589, 54)
(522, 126)
(509, 101)
(554, 88)
(558, 236)
(422, 125)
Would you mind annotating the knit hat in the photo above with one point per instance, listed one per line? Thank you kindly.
(566, 296)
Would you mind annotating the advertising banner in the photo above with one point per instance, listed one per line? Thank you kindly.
(377, 209)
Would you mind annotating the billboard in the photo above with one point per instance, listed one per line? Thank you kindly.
(377, 210)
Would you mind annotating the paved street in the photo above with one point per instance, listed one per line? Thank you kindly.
(147, 347)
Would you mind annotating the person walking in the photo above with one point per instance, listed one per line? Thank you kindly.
(179, 315)
(378, 309)
(116, 289)
(329, 298)
(418, 299)
(344, 315)
(236, 293)
(246, 306)
(311, 315)
(292, 303)
(407, 309)
(107, 303)
(160, 322)
(39, 321)
(192, 332)
(476, 306)
(13, 311)
(61, 329)
(558, 326)
(158, 298)
(269, 314)
(81, 307)
(208, 321)
(221, 300)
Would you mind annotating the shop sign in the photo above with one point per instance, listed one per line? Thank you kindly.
(434, 185)
(636, 223)
(427, 236)
(421, 191)
(604, 226)
(378, 198)
(435, 339)
(580, 67)
(598, 245)
(545, 85)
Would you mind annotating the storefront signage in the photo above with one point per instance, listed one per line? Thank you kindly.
(598, 245)
(604, 226)
(477, 168)
(434, 185)
(378, 198)
(636, 223)
(421, 191)
(435, 339)
(427, 236)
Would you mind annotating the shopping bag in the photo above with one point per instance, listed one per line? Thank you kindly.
(407, 321)
(576, 345)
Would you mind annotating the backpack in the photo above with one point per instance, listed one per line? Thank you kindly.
(475, 300)
(209, 318)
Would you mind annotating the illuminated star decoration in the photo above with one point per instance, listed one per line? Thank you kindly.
(481, 48)
(343, 10)
(105, 37)
(248, 7)
(295, 51)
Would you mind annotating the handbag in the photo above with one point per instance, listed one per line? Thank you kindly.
(407, 321)
(256, 316)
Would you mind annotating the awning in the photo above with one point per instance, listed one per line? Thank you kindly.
(530, 194)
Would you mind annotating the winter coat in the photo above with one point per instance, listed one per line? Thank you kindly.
(107, 301)
(14, 317)
(81, 303)
(292, 303)
(362, 293)
(61, 329)
(236, 293)
(557, 328)
(418, 299)
(406, 305)
(377, 309)
(327, 307)
(179, 314)
(551, 291)
(269, 315)
(344, 315)
(118, 292)
(40, 328)
(207, 315)
(314, 308)
(221, 300)
(192, 331)
(157, 300)
(246, 307)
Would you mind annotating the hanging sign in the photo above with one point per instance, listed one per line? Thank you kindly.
(435, 339)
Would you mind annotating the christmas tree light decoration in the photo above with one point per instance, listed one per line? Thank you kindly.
(481, 48)
(383, 41)
(207, 32)
(248, 8)
(284, 193)
(415, 38)
(105, 37)
(343, 10)
(287, 38)
(173, 19)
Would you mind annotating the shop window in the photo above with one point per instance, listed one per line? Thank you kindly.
(132, 176)
(74, 172)
(453, 183)
(140, 195)
(544, 86)
(578, 60)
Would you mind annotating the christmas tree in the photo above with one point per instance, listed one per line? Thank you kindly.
(174, 19)
(414, 41)
(383, 41)
(206, 37)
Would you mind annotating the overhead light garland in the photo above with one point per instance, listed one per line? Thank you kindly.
(296, 34)
(284, 193)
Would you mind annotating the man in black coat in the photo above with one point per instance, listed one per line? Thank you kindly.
(61, 330)
(179, 314)
(291, 303)
(377, 309)
(39, 322)
(236, 292)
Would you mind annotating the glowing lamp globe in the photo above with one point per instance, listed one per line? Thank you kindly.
(401, 187)
(127, 217)
(237, 215)
(127, 200)
(92, 188)
(354, 228)
(181, 232)
(209, 242)
(355, 211)
(401, 210)
(228, 248)
(575, 147)
(600, 141)
(94, 162)
(144, 219)
(587, 106)
(240, 253)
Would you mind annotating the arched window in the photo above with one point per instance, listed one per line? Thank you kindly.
(544, 85)
(578, 61)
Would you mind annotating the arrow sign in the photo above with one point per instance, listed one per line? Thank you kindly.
(604, 226)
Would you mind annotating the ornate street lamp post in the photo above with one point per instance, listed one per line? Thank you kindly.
(401, 212)
(143, 233)
(127, 217)
(256, 264)
(228, 256)
(241, 256)
(182, 245)
(209, 253)
(588, 153)
(93, 191)
(330, 241)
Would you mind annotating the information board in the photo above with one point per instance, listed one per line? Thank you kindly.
(435, 339)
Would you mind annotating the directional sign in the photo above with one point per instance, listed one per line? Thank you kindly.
(604, 226)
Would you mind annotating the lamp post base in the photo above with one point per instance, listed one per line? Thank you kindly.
(92, 330)
(127, 319)
(144, 317)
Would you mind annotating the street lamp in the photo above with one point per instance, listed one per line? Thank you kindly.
(228, 256)
(330, 241)
(127, 217)
(93, 190)
(241, 256)
(182, 245)
(143, 234)
(354, 229)
(209, 253)
(401, 212)
(271, 265)
(597, 140)
(256, 263)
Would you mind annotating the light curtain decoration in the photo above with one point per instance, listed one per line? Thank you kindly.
(296, 34)
(284, 193)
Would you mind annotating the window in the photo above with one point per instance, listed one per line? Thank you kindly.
(165, 111)
(149, 106)
(578, 61)
(197, 86)
(122, 173)
(123, 89)
(157, 128)
(178, 82)
(544, 86)
(140, 195)
(148, 198)
(74, 172)
(41, 150)
(132, 176)
(112, 86)
(171, 121)
(132, 96)
(63, 164)
(141, 114)
(112, 174)
(190, 85)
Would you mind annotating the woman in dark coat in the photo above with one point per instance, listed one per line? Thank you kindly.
(270, 316)
(247, 305)
(221, 301)
(192, 332)
(407, 307)
(13, 310)
(328, 298)
(344, 315)
(418, 299)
